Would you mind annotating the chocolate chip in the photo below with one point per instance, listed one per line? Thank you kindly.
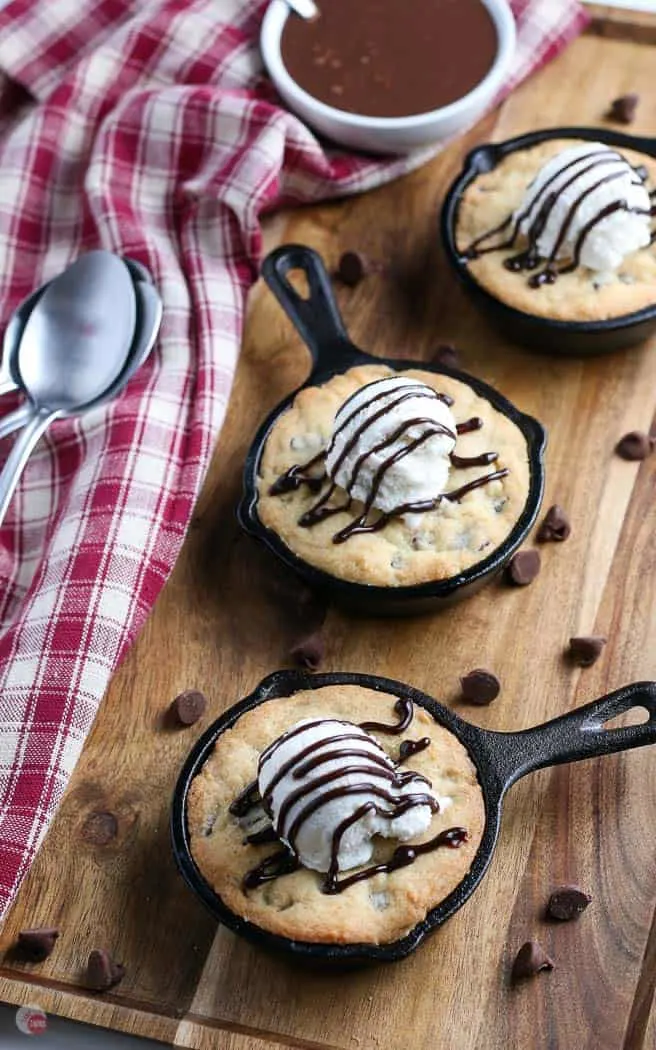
(309, 652)
(36, 945)
(555, 527)
(585, 652)
(623, 109)
(188, 707)
(566, 903)
(480, 687)
(446, 354)
(635, 445)
(102, 972)
(100, 828)
(530, 959)
(523, 567)
(351, 268)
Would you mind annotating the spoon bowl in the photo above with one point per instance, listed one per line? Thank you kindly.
(73, 350)
(10, 379)
(78, 336)
(149, 317)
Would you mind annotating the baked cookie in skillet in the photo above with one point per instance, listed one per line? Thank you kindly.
(335, 815)
(563, 230)
(392, 478)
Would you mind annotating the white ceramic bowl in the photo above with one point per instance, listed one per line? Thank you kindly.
(387, 134)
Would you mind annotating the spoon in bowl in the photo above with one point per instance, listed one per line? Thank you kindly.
(304, 8)
(74, 347)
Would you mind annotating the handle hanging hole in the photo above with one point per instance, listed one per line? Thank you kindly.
(637, 716)
(299, 282)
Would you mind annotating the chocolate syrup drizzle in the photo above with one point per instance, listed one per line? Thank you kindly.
(301, 474)
(387, 802)
(541, 208)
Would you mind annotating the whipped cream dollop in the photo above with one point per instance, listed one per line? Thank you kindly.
(593, 207)
(391, 443)
(329, 788)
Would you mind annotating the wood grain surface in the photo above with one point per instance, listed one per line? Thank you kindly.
(226, 619)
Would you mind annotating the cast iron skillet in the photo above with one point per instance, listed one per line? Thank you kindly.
(541, 333)
(320, 325)
(500, 760)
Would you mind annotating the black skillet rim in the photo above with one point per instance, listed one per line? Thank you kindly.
(284, 683)
(496, 151)
(533, 432)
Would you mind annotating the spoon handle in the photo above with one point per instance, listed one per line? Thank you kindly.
(19, 455)
(16, 419)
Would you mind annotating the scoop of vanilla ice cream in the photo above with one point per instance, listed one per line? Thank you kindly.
(572, 176)
(329, 740)
(375, 424)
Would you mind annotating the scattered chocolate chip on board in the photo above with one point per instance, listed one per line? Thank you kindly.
(635, 445)
(530, 960)
(352, 268)
(567, 903)
(555, 526)
(188, 707)
(309, 652)
(480, 686)
(622, 110)
(585, 651)
(102, 972)
(37, 944)
(523, 567)
(446, 354)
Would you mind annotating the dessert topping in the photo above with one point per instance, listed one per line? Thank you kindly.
(587, 206)
(391, 450)
(329, 788)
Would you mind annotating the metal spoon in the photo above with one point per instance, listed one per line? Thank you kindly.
(303, 8)
(73, 349)
(149, 310)
(10, 379)
(9, 376)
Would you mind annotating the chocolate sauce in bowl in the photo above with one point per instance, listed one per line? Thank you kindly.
(390, 58)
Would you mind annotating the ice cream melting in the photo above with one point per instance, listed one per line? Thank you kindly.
(329, 790)
(390, 452)
(391, 443)
(587, 206)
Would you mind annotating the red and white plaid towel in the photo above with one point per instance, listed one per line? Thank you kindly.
(145, 127)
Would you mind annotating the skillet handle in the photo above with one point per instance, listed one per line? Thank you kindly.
(574, 736)
(317, 319)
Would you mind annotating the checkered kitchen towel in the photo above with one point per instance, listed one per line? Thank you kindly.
(145, 127)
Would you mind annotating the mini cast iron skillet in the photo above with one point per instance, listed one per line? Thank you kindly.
(541, 333)
(318, 321)
(500, 760)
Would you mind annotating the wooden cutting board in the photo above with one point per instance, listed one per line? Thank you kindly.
(105, 875)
